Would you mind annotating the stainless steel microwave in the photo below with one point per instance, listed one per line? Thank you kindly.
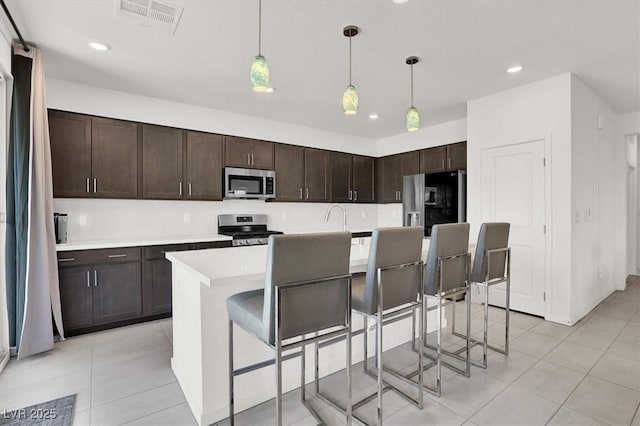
(249, 184)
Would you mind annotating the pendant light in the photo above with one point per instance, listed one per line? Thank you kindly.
(413, 116)
(259, 67)
(350, 96)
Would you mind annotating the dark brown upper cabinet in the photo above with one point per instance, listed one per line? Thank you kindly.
(248, 153)
(341, 177)
(289, 167)
(457, 156)
(93, 157)
(391, 170)
(302, 174)
(114, 158)
(316, 175)
(444, 158)
(352, 178)
(70, 136)
(162, 162)
(203, 170)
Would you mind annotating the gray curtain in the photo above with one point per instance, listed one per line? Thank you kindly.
(31, 268)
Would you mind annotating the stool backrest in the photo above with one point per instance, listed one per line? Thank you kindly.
(293, 259)
(447, 240)
(392, 247)
(492, 236)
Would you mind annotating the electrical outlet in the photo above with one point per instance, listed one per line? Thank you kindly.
(187, 218)
(82, 220)
(283, 215)
(364, 215)
(600, 271)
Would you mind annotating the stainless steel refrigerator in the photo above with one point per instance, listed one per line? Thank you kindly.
(434, 198)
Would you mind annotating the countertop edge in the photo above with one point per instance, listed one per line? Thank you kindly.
(93, 245)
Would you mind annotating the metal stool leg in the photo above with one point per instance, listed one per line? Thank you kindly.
(379, 365)
(231, 375)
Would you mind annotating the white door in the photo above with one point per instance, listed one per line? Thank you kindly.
(513, 190)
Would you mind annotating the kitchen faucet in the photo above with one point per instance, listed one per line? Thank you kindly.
(344, 215)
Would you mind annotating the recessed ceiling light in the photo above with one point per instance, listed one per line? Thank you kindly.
(514, 69)
(373, 116)
(400, 1)
(102, 47)
(270, 90)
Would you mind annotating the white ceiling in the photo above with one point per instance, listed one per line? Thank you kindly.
(465, 47)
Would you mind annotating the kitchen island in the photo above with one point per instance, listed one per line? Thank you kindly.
(202, 282)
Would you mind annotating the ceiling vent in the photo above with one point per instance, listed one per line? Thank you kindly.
(151, 13)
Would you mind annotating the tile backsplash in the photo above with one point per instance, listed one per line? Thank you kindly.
(95, 219)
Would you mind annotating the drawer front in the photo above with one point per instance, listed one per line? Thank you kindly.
(111, 255)
(157, 252)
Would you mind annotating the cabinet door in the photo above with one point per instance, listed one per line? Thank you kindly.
(389, 170)
(363, 178)
(410, 165)
(341, 185)
(156, 287)
(117, 292)
(70, 136)
(162, 163)
(433, 160)
(289, 162)
(262, 155)
(75, 296)
(204, 166)
(457, 156)
(316, 175)
(114, 158)
(237, 151)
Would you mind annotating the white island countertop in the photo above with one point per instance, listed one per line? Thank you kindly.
(140, 241)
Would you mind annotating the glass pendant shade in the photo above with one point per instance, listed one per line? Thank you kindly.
(260, 74)
(350, 100)
(413, 119)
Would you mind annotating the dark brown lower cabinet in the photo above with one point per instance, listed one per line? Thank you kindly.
(117, 292)
(157, 286)
(76, 296)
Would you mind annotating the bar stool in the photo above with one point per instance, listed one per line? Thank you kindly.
(307, 290)
(389, 292)
(492, 266)
(447, 276)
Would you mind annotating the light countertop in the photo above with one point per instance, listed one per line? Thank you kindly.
(135, 242)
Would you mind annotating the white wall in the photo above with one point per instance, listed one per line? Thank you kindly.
(538, 111)
(439, 134)
(93, 100)
(628, 124)
(91, 220)
(593, 187)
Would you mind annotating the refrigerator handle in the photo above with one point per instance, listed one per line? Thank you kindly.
(462, 196)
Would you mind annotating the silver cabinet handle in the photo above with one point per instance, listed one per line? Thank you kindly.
(253, 160)
(189, 189)
(443, 164)
(88, 190)
(355, 197)
(95, 185)
(181, 189)
(113, 256)
(248, 159)
(95, 278)
(67, 259)
(350, 195)
(449, 162)
(307, 190)
(300, 193)
(88, 280)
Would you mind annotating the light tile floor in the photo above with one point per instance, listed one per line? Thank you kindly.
(556, 375)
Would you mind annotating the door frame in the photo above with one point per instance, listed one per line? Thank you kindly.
(548, 200)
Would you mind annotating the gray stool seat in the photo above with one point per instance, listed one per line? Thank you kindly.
(245, 309)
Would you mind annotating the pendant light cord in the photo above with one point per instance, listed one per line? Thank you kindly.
(350, 61)
(260, 27)
(411, 84)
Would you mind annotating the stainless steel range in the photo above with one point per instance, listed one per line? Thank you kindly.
(246, 229)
